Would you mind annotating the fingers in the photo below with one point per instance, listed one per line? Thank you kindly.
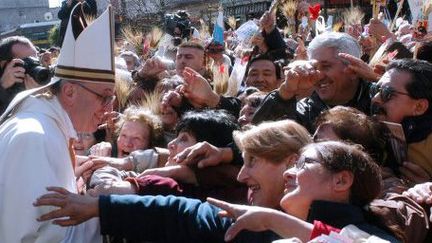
(205, 163)
(191, 154)
(79, 170)
(351, 59)
(65, 222)
(233, 230)
(60, 190)
(58, 213)
(181, 158)
(48, 196)
(51, 200)
(225, 206)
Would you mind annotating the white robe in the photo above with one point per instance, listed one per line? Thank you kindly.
(34, 154)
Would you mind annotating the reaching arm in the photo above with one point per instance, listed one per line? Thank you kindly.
(261, 219)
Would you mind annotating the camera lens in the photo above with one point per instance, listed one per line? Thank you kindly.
(40, 74)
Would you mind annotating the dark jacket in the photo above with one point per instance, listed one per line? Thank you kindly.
(276, 45)
(307, 109)
(168, 219)
(340, 215)
(179, 219)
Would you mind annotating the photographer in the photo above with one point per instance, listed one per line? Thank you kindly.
(13, 77)
(179, 26)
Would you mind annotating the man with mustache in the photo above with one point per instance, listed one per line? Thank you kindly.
(404, 95)
(327, 74)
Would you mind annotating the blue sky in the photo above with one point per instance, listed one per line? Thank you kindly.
(54, 3)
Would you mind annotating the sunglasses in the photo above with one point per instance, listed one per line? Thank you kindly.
(386, 93)
(106, 100)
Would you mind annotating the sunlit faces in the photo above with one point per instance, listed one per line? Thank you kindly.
(339, 85)
(180, 143)
(304, 184)
(399, 104)
(262, 75)
(263, 179)
(189, 57)
(134, 135)
(85, 108)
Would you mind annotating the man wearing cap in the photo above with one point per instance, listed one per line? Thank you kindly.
(37, 131)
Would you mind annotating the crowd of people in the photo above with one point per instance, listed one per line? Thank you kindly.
(263, 134)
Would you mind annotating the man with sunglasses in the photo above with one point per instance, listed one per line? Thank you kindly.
(326, 74)
(38, 129)
(404, 95)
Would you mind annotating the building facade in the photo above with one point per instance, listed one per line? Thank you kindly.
(17, 12)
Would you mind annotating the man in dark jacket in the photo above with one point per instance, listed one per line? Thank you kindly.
(329, 77)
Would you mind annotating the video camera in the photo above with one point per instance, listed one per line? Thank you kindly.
(179, 20)
(32, 66)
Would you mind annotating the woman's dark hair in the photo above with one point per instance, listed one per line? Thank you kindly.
(214, 126)
(402, 51)
(424, 51)
(339, 156)
(6, 45)
(352, 125)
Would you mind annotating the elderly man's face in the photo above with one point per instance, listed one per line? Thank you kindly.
(339, 85)
(189, 57)
(88, 107)
(392, 103)
(262, 75)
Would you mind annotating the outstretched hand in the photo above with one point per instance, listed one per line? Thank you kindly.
(198, 90)
(421, 193)
(202, 154)
(358, 66)
(300, 76)
(73, 208)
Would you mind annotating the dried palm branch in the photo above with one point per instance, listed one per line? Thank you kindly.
(154, 37)
(353, 16)
(122, 89)
(204, 30)
(337, 26)
(135, 38)
(232, 22)
(288, 9)
(151, 101)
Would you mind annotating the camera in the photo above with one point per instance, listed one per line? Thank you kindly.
(178, 20)
(32, 66)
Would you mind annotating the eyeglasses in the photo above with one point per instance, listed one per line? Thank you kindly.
(386, 93)
(300, 163)
(85, 136)
(106, 100)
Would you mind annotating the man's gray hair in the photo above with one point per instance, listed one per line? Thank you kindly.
(340, 42)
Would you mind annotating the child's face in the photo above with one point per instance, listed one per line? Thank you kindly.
(180, 143)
